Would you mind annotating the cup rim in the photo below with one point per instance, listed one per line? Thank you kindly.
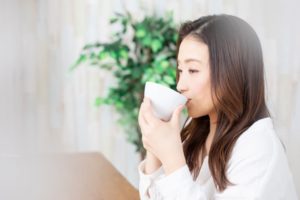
(163, 86)
(170, 90)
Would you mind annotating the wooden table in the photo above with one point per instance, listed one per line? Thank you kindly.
(78, 176)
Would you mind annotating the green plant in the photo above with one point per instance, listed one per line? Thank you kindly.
(140, 51)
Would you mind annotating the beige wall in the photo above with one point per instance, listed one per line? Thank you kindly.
(43, 107)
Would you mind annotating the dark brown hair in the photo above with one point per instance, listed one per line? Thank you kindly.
(237, 86)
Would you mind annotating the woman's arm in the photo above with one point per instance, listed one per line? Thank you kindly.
(179, 185)
(149, 170)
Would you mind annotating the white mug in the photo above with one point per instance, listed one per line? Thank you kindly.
(163, 99)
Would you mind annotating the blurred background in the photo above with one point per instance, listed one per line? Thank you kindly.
(45, 107)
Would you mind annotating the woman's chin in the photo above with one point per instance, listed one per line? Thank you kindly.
(195, 115)
(192, 114)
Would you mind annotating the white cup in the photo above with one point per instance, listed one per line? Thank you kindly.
(163, 99)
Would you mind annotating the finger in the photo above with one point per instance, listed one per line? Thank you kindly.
(142, 122)
(176, 115)
(145, 143)
(146, 109)
(140, 117)
(148, 112)
(144, 130)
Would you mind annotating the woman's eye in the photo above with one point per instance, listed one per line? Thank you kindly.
(193, 71)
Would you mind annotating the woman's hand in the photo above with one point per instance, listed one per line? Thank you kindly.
(152, 163)
(162, 138)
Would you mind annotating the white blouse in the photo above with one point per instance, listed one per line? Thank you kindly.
(258, 168)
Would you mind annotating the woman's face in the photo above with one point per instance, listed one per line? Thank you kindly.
(194, 77)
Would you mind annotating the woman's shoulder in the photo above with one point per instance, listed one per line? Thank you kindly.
(259, 140)
(259, 161)
(253, 152)
(260, 133)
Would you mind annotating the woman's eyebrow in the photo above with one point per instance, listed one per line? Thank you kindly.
(190, 60)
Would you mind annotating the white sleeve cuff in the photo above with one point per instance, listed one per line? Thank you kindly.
(152, 176)
(146, 180)
(174, 182)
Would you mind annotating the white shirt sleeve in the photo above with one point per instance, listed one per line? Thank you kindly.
(177, 186)
(146, 180)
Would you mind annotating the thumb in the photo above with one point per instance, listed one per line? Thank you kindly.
(176, 114)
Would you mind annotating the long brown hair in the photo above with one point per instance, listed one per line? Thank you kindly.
(237, 86)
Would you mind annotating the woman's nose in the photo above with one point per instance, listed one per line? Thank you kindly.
(181, 86)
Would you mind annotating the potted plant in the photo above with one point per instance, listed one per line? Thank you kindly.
(140, 51)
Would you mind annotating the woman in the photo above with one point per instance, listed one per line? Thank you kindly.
(228, 149)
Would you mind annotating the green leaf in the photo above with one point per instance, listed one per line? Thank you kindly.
(123, 54)
(119, 105)
(80, 60)
(169, 80)
(172, 72)
(99, 101)
(156, 45)
(175, 37)
(141, 32)
(147, 75)
(147, 40)
(113, 20)
(103, 55)
(159, 69)
(113, 54)
(164, 64)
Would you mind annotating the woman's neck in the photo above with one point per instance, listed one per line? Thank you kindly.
(212, 131)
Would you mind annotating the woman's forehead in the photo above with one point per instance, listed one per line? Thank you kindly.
(192, 50)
